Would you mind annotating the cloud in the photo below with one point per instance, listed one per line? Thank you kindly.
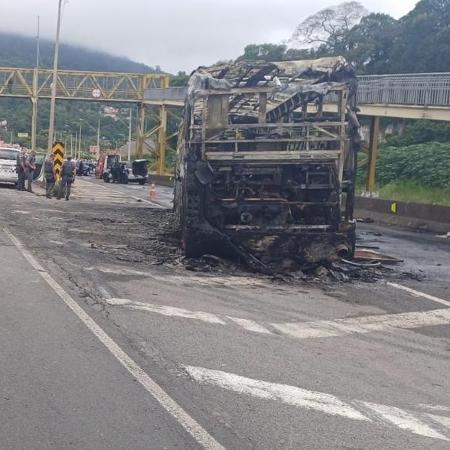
(175, 34)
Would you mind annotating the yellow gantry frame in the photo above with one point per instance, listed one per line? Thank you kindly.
(92, 86)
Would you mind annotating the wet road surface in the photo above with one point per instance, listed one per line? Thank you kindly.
(255, 363)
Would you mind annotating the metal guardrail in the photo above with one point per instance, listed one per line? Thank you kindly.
(74, 84)
(421, 89)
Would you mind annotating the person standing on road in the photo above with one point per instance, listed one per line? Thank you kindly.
(67, 178)
(30, 167)
(20, 170)
(49, 173)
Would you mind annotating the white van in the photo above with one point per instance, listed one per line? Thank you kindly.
(8, 158)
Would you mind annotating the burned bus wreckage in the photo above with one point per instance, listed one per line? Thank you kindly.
(266, 162)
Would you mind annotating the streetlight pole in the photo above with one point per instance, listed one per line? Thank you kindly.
(79, 142)
(51, 126)
(98, 136)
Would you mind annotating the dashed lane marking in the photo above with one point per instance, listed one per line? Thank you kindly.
(302, 330)
(166, 310)
(419, 294)
(367, 324)
(329, 404)
(250, 325)
(224, 281)
(202, 437)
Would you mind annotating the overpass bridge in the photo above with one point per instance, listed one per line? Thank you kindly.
(408, 96)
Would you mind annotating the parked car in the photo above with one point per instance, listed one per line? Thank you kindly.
(121, 172)
(8, 158)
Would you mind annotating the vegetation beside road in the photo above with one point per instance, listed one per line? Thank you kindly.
(414, 166)
(409, 191)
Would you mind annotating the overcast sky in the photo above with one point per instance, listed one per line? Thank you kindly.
(175, 34)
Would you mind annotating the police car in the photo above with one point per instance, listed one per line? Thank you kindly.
(8, 158)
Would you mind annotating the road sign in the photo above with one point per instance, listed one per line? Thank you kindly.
(22, 135)
(58, 153)
(96, 93)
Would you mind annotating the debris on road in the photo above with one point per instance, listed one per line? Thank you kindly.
(371, 256)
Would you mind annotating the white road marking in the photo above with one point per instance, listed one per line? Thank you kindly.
(440, 408)
(442, 420)
(303, 330)
(367, 324)
(419, 294)
(173, 408)
(226, 281)
(402, 419)
(166, 310)
(291, 395)
(250, 325)
(318, 401)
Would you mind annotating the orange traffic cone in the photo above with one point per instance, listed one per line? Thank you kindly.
(152, 191)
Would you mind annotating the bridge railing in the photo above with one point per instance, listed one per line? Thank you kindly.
(424, 89)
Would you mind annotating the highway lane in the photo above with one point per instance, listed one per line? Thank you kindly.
(263, 364)
(59, 387)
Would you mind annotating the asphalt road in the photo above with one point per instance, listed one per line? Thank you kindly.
(248, 362)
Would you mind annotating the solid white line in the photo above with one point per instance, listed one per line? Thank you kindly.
(183, 418)
(170, 311)
(420, 294)
(326, 403)
(367, 324)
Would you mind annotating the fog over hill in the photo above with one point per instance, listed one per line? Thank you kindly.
(20, 51)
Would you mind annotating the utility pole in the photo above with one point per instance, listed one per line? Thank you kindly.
(34, 98)
(71, 144)
(55, 79)
(129, 135)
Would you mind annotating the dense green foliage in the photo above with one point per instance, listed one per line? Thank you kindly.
(425, 164)
(418, 42)
(421, 131)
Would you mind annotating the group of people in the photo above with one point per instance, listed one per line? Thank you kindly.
(26, 166)
(67, 177)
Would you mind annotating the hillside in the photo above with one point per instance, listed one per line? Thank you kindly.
(20, 51)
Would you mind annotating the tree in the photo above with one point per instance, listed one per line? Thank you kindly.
(369, 44)
(265, 52)
(328, 26)
(423, 43)
(180, 79)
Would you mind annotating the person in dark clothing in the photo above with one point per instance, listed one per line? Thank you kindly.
(49, 174)
(20, 169)
(67, 178)
(30, 167)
